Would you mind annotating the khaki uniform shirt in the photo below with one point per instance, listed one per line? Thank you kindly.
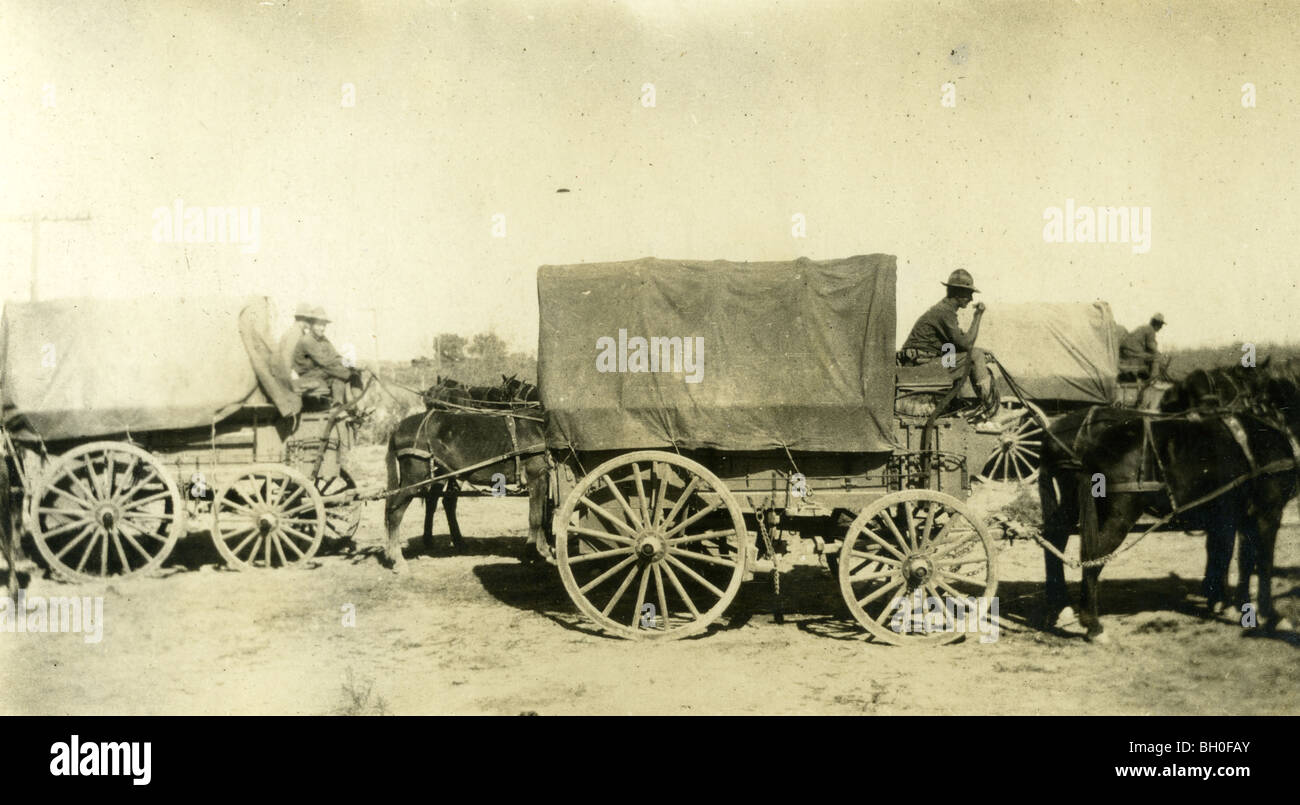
(936, 327)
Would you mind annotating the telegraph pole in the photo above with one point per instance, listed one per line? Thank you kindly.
(36, 219)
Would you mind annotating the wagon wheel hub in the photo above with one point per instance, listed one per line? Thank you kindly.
(651, 546)
(266, 523)
(107, 514)
(918, 570)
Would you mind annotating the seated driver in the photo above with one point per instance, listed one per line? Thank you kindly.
(938, 327)
(323, 376)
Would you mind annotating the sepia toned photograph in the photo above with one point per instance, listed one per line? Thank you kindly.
(650, 358)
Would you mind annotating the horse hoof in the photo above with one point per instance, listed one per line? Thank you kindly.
(1066, 617)
(400, 567)
(1099, 639)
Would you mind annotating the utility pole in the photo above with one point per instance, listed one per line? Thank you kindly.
(36, 219)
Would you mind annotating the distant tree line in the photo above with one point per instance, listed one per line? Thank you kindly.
(480, 360)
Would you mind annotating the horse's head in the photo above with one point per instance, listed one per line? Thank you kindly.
(1194, 390)
(528, 392)
(511, 386)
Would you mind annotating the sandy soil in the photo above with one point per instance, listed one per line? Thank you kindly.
(478, 632)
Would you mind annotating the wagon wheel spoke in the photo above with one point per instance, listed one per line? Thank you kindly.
(880, 591)
(53, 532)
(882, 543)
(279, 551)
(119, 550)
(86, 530)
(681, 591)
(139, 548)
(663, 619)
(81, 503)
(252, 534)
(622, 588)
(704, 557)
(596, 508)
(694, 518)
(295, 532)
(879, 574)
(605, 535)
(603, 577)
(912, 541)
(622, 501)
(588, 557)
(640, 597)
(659, 495)
(139, 502)
(90, 547)
(292, 546)
(681, 500)
(642, 506)
(703, 582)
(948, 621)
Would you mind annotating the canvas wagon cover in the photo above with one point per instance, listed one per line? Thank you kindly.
(78, 368)
(1059, 351)
(795, 354)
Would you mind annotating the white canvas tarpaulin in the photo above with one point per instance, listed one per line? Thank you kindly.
(78, 368)
(796, 355)
(1058, 351)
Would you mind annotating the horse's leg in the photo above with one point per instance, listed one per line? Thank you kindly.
(1220, 535)
(431, 495)
(394, 509)
(1247, 566)
(1059, 517)
(1262, 530)
(449, 499)
(1103, 526)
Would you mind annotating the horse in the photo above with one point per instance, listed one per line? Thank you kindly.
(1199, 454)
(437, 442)
(1216, 388)
(447, 390)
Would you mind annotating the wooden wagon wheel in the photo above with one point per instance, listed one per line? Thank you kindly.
(342, 517)
(662, 524)
(106, 509)
(1018, 454)
(914, 566)
(268, 517)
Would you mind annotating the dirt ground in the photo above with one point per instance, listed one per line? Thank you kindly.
(478, 632)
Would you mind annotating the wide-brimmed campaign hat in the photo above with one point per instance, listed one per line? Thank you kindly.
(961, 278)
(311, 313)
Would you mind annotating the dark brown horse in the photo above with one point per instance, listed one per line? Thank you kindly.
(457, 394)
(1194, 454)
(438, 442)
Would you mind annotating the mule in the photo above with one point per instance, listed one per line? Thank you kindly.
(437, 442)
(1196, 455)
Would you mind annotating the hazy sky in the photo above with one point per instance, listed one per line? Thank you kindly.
(762, 110)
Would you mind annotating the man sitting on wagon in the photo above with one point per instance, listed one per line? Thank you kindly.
(322, 375)
(937, 333)
(1139, 354)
